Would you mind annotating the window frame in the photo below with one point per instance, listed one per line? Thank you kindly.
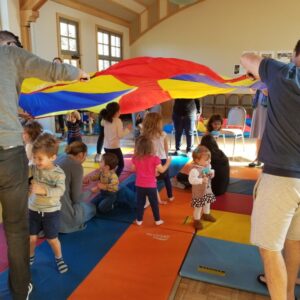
(67, 54)
(108, 57)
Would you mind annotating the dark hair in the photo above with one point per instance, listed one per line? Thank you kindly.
(76, 148)
(45, 143)
(111, 160)
(143, 146)
(297, 48)
(212, 119)
(33, 128)
(57, 58)
(111, 109)
(9, 36)
(210, 143)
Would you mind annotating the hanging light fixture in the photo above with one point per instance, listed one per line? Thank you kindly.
(183, 2)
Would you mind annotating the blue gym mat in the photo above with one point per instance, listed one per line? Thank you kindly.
(241, 186)
(224, 263)
(81, 251)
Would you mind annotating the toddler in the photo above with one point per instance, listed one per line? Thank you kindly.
(47, 186)
(200, 178)
(73, 124)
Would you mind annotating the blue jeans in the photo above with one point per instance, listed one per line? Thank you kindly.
(186, 123)
(141, 194)
(14, 200)
(167, 180)
(104, 202)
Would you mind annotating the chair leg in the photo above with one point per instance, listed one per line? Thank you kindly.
(233, 150)
(224, 141)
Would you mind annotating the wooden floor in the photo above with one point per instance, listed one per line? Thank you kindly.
(188, 289)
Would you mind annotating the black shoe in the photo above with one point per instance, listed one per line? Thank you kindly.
(252, 165)
(175, 153)
(260, 280)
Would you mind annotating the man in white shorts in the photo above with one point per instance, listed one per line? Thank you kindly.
(275, 220)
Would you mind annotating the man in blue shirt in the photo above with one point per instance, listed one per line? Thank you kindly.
(275, 220)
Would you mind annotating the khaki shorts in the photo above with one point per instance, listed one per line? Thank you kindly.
(276, 211)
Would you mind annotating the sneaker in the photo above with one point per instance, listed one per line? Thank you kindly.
(171, 199)
(208, 217)
(30, 288)
(189, 154)
(139, 223)
(159, 222)
(175, 153)
(198, 225)
(97, 158)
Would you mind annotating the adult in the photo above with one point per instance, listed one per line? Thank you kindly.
(100, 140)
(17, 64)
(74, 212)
(60, 118)
(275, 221)
(220, 163)
(259, 116)
(184, 116)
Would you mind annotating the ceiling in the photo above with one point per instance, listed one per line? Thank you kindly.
(129, 13)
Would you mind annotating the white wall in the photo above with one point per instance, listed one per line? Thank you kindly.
(216, 32)
(44, 34)
(10, 16)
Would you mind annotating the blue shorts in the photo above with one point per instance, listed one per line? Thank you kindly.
(47, 221)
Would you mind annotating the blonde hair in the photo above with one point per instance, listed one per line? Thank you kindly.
(201, 151)
(76, 115)
(152, 125)
(143, 146)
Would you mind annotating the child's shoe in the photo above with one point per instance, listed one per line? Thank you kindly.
(208, 217)
(61, 265)
(139, 223)
(198, 225)
(159, 222)
(171, 199)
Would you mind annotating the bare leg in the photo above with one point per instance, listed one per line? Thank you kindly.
(292, 260)
(276, 273)
(56, 248)
(33, 239)
(159, 199)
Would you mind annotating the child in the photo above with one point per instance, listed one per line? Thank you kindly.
(152, 129)
(199, 177)
(47, 187)
(73, 124)
(146, 164)
(108, 183)
(214, 125)
(31, 130)
(113, 132)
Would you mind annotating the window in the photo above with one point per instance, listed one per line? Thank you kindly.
(69, 41)
(109, 48)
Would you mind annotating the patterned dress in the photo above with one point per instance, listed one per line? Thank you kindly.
(202, 193)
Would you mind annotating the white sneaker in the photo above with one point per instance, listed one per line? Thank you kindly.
(30, 288)
(159, 222)
(139, 223)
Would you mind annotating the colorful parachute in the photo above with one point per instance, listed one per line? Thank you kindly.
(137, 84)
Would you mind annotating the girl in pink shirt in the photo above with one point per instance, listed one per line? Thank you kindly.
(146, 166)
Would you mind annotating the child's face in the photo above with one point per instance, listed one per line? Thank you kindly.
(216, 125)
(73, 119)
(42, 161)
(26, 137)
(103, 166)
(203, 161)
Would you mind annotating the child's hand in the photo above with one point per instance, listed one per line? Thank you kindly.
(101, 186)
(38, 189)
(94, 189)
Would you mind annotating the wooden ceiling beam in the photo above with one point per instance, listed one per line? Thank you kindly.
(92, 11)
(31, 4)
